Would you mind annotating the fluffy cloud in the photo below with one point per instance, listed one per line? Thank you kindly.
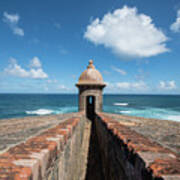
(14, 69)
(167, 85)
(175, 27)
(121, 71)
(127, 33)
(37, 74)
(12, 20)
(35, 63)
(18, 31)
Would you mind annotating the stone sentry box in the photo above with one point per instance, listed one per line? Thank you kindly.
(90, 86)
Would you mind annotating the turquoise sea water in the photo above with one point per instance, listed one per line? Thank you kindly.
(150, 106)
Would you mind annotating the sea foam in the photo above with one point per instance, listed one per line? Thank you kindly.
(120, 104)
(125, 112)
(173, 117)
(59, 110)
(40, 112)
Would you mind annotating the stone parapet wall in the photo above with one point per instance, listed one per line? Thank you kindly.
(57, 153)
(100, 148)
(128, 155)
(16, 130)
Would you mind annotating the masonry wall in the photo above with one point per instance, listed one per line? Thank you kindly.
(117, 162)
(59, 153)
(127, 155)
(85, 91)
(100, 148)
(71, 163)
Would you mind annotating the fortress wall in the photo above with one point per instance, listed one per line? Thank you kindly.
(128, 155)
(57, 153)
(100, 148)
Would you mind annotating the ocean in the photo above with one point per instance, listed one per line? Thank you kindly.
(150, 106)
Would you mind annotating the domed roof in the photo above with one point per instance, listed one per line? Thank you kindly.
(91, 76)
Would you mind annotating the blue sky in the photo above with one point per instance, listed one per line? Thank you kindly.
(46, 44)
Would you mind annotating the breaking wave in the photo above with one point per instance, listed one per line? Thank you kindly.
(157, 113)
(120, 104)
(173, 117)
(52, 111)
(40, 112)
(125, 112)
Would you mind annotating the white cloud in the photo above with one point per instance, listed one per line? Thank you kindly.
(127, 33)
(18, 31)
(37, 74)
(12, 20)
(141, 85)
(14, 69)
(35, 62)
(121, 71)
(175, 27)
(123, 85)
(127, 86)
(167, 85)
(110, 85)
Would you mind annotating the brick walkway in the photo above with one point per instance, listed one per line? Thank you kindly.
(16, 130)
(166, 133)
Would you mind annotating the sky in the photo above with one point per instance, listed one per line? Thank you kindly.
(45, 45)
